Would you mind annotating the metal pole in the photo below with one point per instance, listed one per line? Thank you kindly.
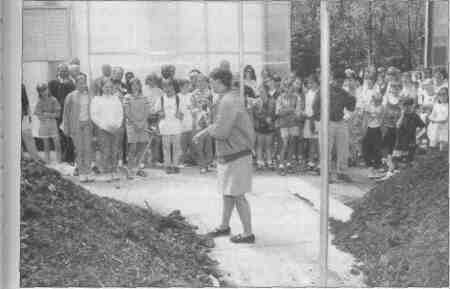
(11, 119)
(427, 34)
(241, 47)
(324, 156)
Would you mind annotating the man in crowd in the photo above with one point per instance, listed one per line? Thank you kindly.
(338, 132)
(99, 82)
(60, 88)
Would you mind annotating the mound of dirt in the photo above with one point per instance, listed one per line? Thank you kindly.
(72, 238)
(399, 231)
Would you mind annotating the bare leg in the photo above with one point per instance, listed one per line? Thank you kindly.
(132, 148)
(227, 210)
(47, 149)
(284, 146)
(243, 208)
(30, 145)
(57, 143)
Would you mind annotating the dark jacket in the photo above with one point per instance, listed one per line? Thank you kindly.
(264, 116)
(60, 90)
(339, 99)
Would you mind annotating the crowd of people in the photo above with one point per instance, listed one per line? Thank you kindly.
(380, 117)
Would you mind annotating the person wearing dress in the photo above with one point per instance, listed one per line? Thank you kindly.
(137, 111)
(438, 126)
(234, 136)
(48, 110)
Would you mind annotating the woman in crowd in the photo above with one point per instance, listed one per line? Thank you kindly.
(107, 114)
(27, 137)
(438, 127)
(234, 137)
(78, 126)
(48, 110)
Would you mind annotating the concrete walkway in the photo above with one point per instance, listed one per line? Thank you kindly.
(286, 227)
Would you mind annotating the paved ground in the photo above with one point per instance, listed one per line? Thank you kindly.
(287, 228)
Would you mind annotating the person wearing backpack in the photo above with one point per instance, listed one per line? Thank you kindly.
(170, 127)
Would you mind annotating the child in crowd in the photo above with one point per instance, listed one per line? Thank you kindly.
(78, 126)
(203, 115)
(137, 110)
(187, 123)
(372, 140)
(153, 93)
(409, 88)
(286, 112)
(438, 127)
(48, 110)
(264, 122)
(405, 145)
(392, 111)
(107, 114)
(170, 127)
(311, 126)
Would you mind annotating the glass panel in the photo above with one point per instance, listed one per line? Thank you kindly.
(107, 21)
(161, 28)
(278, 30)
(223, 26)
(253, 26)
(191, 26)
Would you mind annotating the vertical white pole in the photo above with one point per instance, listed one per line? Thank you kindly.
(12, 78)
(427, 34)
(206, 32)
(324, 156)
(241, 47)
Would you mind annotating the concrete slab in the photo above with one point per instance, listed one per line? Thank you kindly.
(287, 229)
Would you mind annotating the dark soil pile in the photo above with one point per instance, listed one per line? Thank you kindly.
(399, 231)
(72, 238)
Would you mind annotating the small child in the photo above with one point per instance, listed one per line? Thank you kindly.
(405, 144)
(203, 113)
(286, 109)
(48, 110)
(107, 114)
(154, 95)
(170, 127)
(137, 110)
(264, 122)
(438, 127)
(78, 126)
(372, 140)
(187, 123)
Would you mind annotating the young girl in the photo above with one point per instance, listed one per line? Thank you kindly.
(187, 123)
(372, 140)
(78, 126)
(203, 103)
(137, 110)
(170, 128)
(392, 111)
(107, 114)
(153, 93)
(438, 127)
(286, 111)
(310, 128)
(48, 110)
(264, 122)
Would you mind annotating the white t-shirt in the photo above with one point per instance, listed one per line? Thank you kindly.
(107, 112)
(170, 125)
(309, 101)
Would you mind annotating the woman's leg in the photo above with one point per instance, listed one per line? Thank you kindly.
(227, 209)
(166, 150)
(30, 145)
(57, 143)
(243, 208)
(46, 142)
(132, 151)
(177, 153)
(140, 151)
(259, 149)
(267, 144)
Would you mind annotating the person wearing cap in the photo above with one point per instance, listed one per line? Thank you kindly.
(97, 87)
(60, 88)
(48, 110)
(340, 100)
(234, 136)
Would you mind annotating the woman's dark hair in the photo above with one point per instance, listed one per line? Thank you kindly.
(223, 75)
(250, 69)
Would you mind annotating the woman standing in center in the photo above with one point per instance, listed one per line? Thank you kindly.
(234, 136)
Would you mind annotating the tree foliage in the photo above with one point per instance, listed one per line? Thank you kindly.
(392, 30)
